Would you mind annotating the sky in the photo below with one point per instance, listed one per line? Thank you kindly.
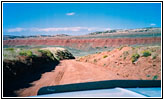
(77, 18)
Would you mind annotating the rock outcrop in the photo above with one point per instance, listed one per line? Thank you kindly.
(60, 53)
(84, 43)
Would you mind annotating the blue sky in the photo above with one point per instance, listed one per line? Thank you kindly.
(77, 18)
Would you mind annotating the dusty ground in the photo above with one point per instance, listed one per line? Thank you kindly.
(109, 65)
(70, 71)
(120, 61)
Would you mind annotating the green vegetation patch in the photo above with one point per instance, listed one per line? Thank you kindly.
(135, 57)
(10, 53)
(154, 57)
(47, 53)
(98, 47)
(95, 60)
(147, 75)
(105, 56)
(125, 53)
(26, 53)
(121, 47)
(155, 77)
(146, 53)
(10, 49)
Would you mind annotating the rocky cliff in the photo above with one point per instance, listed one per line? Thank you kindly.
(83, 43)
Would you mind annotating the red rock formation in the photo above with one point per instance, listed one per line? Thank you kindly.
(79, 43)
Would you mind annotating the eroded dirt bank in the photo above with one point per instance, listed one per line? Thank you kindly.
(18, 74)
(26, 66)
(82, 43)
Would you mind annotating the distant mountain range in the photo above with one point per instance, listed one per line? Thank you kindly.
(146, 30)
(6, 37)
(139, 30)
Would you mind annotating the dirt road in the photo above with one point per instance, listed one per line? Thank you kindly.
(69, 71)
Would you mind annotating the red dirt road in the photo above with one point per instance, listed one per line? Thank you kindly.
(69, 71)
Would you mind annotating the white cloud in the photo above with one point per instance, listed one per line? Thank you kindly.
(152, 24)
(58, 29)
(15, 30)
(98, 29)
(70, 14)
(107, 29)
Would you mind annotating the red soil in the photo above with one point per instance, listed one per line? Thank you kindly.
(69, 71)
(119, 61)
(80, 43)
(112, 67)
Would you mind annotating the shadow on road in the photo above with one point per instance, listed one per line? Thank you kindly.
(11, 84)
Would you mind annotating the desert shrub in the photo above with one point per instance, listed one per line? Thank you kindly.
(135, 57)
(4, 55)
(120, 48)
(153, 50)
(154, 57)
(26, 53)
(97, 47)
(137, 47)
(42, 51)
(146, 53)
(10, 54)
(10, 49)
(47, 53)
(125, 53)
(105, 56)
(155, 77)
(95, 60)
(133, 48)
(60, 55)
(147, 75)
